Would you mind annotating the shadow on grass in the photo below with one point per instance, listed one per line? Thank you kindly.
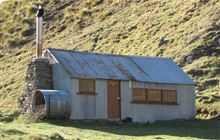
(13, 132)
(205, 129)
(8, 116)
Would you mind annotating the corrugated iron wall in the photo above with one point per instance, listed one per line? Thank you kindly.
(88, 106)
(152, 112)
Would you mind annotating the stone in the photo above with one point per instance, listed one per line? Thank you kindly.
(162, 42)
(38, 76)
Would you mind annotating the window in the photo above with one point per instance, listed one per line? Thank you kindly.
(86, 86)
(154, 96)
(169, 96)
(139, 95)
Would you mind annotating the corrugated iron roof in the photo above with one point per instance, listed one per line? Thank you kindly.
(119, 67)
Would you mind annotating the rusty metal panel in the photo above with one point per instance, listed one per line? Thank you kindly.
(118, 67)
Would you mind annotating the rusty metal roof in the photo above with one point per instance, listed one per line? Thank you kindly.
(119, 67)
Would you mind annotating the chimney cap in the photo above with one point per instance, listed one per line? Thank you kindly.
(40, 11)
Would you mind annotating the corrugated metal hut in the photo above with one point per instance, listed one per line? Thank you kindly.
(103, 86)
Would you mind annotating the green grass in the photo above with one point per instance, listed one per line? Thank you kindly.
(8, 115)
(180, 129)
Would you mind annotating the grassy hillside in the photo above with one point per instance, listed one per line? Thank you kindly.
(187, 31)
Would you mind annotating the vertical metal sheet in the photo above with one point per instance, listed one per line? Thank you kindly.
(88, 106)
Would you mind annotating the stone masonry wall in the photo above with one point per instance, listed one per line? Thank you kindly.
(38, 76)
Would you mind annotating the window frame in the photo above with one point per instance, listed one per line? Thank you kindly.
(84, 92)
(159, 102)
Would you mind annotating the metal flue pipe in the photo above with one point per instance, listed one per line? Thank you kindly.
(39, 20)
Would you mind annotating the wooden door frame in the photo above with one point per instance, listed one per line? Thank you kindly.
(119, 82)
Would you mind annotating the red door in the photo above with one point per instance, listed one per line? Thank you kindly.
(113, 99)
